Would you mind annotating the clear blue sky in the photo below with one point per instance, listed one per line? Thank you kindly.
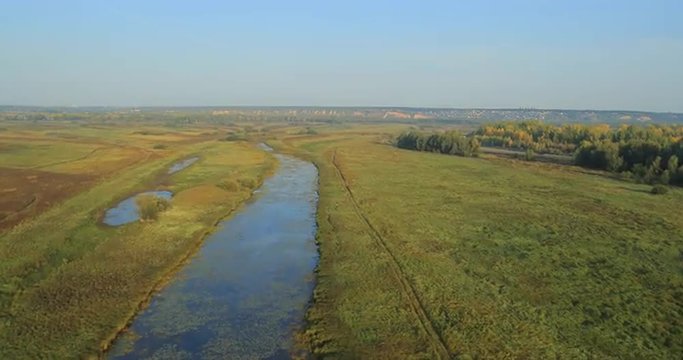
(596, 54)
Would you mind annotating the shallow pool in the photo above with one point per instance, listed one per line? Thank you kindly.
(127, 210)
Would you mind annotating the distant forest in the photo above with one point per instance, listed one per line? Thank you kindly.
(650, 154)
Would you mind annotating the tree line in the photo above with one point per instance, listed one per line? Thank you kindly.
(647, 153)
(646, 161)
(450, 142)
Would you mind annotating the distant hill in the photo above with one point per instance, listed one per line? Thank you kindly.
(394, 114)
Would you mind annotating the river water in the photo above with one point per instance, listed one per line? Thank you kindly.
(246, 291)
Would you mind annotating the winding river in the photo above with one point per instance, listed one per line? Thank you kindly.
(246, 291)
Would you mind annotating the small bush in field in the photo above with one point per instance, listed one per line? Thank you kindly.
(247, 183)
(659, 189)
(149, 206)
(233, 137)
(229, 185)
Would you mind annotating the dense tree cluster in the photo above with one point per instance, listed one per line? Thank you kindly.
(538, 136)
(645, 160)
(450, 142)
(650, 153)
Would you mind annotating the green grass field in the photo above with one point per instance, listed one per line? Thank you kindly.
(427, 255)
(422, 255)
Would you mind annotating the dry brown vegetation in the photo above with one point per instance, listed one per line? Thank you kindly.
(24, 193)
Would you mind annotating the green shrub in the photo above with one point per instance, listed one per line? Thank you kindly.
(149, 206)
(229, 185)
(159, 146)
(247, 183)
(308, 131)
(233, 137)
(626, 175)
(659, 189)
(665, 177)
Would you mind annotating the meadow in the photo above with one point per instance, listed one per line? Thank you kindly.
(426, 255)
(69, 284)
(422, 255)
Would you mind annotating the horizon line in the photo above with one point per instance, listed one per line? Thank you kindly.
(377, 107)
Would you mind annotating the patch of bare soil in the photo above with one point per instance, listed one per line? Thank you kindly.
(25, 192)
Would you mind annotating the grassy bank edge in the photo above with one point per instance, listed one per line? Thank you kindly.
(304, 346)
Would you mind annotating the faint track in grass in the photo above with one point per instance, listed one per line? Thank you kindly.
(147, 155)
(436, 341)
(89, 154)
(32, 201)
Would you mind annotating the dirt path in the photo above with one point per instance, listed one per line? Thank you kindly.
(407, 289)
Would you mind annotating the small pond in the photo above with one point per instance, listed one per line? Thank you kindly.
(127, 210)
